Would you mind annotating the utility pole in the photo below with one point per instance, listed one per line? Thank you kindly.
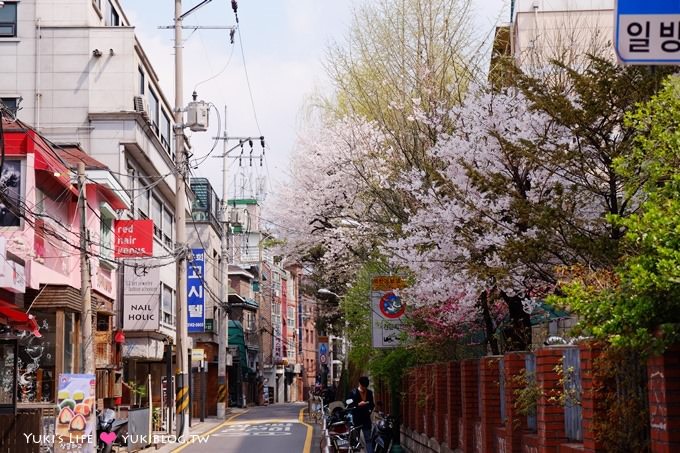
(87, 364)
(181, 383)
(224, 287)
(182, 337)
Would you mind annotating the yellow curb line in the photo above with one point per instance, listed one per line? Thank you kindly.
(310, 431)
(208, 433)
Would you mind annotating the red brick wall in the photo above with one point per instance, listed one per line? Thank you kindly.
(663, 374)
(440, 401)
(550, 414)
(491, 405)
(515, 423)
(455, 407)
(591, 405)
(469, 376)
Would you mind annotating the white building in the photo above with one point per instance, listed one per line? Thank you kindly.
(564, 30)
(76, 71)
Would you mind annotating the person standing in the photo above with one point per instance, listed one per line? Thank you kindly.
(362, 398)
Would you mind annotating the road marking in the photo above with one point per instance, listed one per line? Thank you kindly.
(310, 431)
(257, 429)
(208, 433)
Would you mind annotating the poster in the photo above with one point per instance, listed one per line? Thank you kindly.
(75, 422)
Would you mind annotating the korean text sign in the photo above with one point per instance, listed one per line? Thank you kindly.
(196, 292)
(648, 32)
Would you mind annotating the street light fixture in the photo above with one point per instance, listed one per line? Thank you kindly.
(327, 292)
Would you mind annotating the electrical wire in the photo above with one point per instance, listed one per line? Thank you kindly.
(250, 91)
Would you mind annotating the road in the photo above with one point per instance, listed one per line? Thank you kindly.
(259, 430)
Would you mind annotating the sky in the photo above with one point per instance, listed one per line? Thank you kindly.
(283, 42)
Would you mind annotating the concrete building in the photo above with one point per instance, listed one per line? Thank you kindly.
(75, 70)
(40, 261)
(207, 314)
(563, 30)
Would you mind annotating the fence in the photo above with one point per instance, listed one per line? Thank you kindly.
(472, 407)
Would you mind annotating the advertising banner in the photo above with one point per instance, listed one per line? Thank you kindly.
(75, 423)
(141, 290)
(387, 310)
(133, 238)
(196, 292)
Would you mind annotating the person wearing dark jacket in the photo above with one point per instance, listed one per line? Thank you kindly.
(362, 399)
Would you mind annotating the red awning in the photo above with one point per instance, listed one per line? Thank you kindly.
(47, 160)
(18, 319)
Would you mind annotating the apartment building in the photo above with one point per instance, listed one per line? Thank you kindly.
(75, 70)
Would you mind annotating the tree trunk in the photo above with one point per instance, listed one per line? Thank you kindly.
(518, 333)
(491, 339)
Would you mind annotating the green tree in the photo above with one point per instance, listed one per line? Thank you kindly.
(628, 306)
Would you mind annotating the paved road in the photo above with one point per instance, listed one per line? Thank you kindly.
(259, 430)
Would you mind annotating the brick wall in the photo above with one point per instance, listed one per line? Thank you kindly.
(469, 375)
(663, 374)
(442, 402)
(491, 406)
(455, 404)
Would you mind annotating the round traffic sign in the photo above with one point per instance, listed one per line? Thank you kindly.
(322, 358)
(391, 305)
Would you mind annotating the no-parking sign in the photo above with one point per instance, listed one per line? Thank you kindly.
(387, 310)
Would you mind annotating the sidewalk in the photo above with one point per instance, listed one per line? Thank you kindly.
(197, 429)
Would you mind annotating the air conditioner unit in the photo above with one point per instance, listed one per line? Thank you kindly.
(297, 368)
(141, 106)
(234, 217)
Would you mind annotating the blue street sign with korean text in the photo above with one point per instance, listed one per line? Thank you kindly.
(648, 31)
(196, 292)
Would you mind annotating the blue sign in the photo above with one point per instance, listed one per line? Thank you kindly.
(196, 292)
(648, 32)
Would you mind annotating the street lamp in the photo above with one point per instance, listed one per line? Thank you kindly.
(327, 292)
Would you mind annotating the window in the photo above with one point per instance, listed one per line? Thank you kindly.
(8, 20)
(103, 322)
(142, 81)
(11, 104)
(291, 317)
(106, 239)
(167, 306)
(70, 349)
(10, 182)
(165, 131)
(217, 265)
(113, 19)
(291, 349)
(157, 216)
(153, 109)
(141, 196)
(8, 374)
(167, 227)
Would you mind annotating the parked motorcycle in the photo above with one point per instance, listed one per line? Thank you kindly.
(343, 435)
(383, 433)
(110, 431)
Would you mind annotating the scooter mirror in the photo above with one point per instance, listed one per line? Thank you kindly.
(349, 401)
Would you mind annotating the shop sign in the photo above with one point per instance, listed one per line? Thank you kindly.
(75, 427)
(142, 297)
(133, 238)
(196, 292)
